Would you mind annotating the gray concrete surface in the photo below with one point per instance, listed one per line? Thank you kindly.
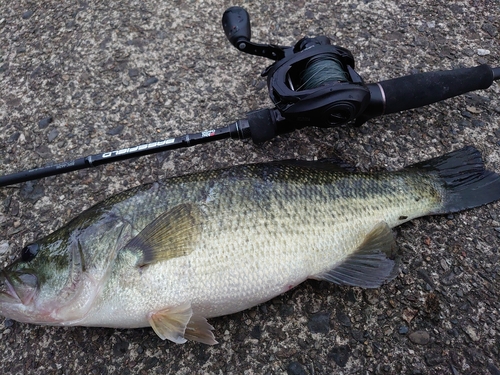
(87, 65)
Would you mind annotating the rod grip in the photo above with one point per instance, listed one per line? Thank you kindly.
(419, 90)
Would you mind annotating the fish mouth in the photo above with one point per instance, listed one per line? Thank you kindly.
(7, 291)
(17, 287)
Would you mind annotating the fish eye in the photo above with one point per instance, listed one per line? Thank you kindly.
(29, 252)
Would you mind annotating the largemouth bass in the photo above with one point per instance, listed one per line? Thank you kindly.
(170, 255)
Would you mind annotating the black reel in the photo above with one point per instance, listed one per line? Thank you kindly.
(311, 83)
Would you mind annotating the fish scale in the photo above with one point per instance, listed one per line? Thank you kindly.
(172, 254)
(275, 262)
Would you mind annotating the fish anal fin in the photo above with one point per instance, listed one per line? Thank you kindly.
(373, 263)
(198, 329)
(171, 323)
(173, 234)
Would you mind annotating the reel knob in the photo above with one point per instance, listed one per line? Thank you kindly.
(236, 25)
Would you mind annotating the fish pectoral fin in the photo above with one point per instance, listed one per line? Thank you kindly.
(173, 234)
(198, 329)
(373, 262)
(171, 323)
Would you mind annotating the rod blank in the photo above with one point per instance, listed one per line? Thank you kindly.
(232, 131)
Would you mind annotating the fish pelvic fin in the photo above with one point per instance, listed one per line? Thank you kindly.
(373, 263)
(178, 324)
(464, 180)
(171, 323)
(173, 234)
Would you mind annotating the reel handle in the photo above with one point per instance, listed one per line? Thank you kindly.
(419, 90)
(236, 25)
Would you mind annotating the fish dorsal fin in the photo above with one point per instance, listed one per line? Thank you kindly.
(178, 324)
(173, 234)
(171, 323)
(370, 265)
(329, 164)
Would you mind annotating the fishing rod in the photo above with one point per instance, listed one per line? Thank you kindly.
(312, 83)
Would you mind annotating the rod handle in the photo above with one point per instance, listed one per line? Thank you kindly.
(419, 90)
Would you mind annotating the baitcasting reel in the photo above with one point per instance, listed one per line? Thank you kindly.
(311, 83)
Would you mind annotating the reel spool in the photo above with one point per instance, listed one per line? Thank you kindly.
(317, 85)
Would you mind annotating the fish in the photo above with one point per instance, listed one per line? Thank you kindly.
(173, 254)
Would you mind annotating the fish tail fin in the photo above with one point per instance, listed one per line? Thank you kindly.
(464, 179)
